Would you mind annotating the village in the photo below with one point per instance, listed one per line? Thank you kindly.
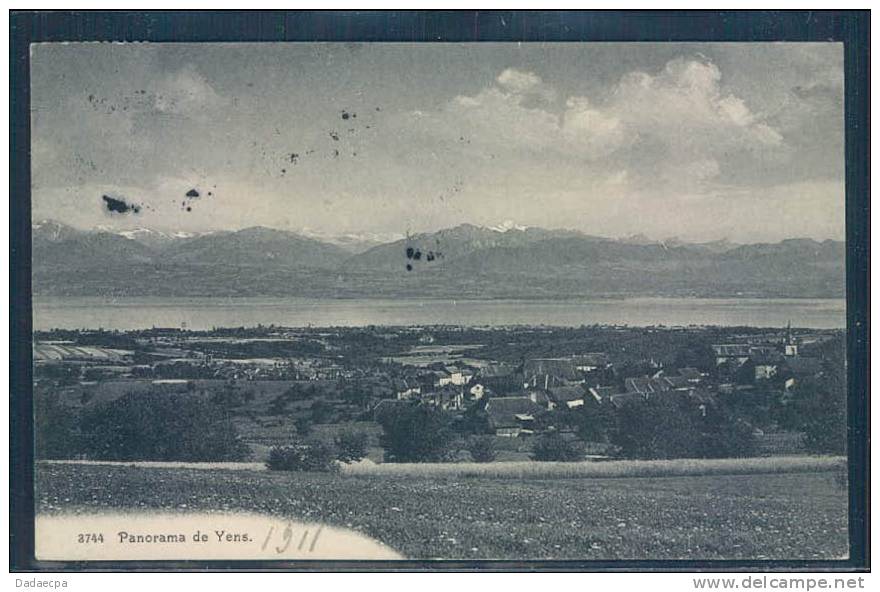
(511, 383)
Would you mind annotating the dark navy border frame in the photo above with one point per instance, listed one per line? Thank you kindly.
(852, 28)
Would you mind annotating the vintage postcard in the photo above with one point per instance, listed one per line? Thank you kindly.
(497, 301)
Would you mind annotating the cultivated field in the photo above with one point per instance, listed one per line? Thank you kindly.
(800, 515)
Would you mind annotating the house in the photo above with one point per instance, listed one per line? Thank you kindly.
(541, 398)
(447, 397)
(567, 396)
(547, 372)
(433, 379)
(646, 386)
(601, 394)
(499, 378)
(624, 399)
(734, 352)
(406, 389)
(512, 416)
(766, 364)
(692, 375)
(677, 383)
(456, 376)
(591, 361)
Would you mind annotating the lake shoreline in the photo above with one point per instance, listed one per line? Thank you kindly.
(208, 313)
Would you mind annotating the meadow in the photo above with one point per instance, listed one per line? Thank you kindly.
(795, 515)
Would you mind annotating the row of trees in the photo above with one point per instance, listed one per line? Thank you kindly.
(167, 427)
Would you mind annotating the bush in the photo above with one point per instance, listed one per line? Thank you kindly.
(351, 445)
(553, 447)
(160, 426)
(312, 455)
(416, 433)
(482, 448)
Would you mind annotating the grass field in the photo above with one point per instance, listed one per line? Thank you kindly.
(747, 516)
(609, 469)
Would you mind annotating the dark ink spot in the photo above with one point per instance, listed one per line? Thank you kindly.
(192, 193)
(410, 252)
(293, 157)
(378, 109)
(345, 115)
(430, 256)
(335, 153)
(283, 171)
(189, 208)
(335, 136)
(417, 255)
(210, 193)
(408, 267)
(119, 206)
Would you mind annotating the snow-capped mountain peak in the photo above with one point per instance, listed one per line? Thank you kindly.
(508, 225)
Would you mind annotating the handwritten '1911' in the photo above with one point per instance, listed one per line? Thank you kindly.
(287, 538)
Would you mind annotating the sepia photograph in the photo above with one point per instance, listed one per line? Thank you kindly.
(494, 301)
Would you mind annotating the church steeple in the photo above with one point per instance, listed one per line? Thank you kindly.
(791, 348)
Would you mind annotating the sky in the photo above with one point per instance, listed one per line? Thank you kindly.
(742, 141)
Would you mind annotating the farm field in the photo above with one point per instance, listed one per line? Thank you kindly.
(749, 516)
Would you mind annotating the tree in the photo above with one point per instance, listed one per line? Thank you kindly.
(553, 447)
(55, 427)
(303, 425)
(321, 411)
(673, 425)
(160, 426)
(482, 448)
(416, 433)
(303, 455)
(724, 434)
(821, 405)
(595, 423)
(664, 426)
(351, 445)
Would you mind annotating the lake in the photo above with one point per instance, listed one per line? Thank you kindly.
(205, 313)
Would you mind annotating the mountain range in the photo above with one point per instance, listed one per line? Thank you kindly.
(465, 261)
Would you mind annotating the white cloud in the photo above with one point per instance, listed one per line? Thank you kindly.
(677, 126)
(683, 107)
